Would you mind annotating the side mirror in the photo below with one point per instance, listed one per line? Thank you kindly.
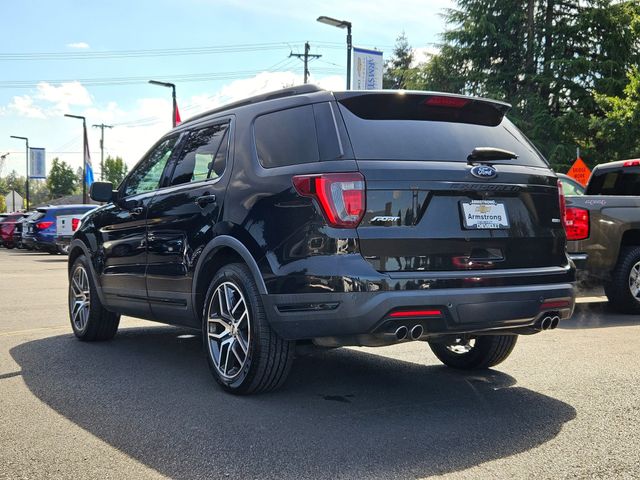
(102, 191)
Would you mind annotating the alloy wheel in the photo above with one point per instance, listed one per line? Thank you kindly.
(228, 329)
(634, 281)
(80, 298)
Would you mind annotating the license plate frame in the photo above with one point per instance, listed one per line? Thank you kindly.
(484, 215)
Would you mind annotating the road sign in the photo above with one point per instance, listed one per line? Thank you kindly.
(579, 172)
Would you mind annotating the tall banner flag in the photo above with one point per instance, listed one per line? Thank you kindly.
(177, 120)
(88, 174)
(37, 166)
(368, 67)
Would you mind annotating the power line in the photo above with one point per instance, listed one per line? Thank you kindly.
(110, 81)
(206, 50)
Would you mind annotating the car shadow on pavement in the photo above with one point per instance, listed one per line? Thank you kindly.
(342, 413)
(598, 315)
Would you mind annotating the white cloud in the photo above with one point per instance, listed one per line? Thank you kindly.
(50, 100)
(79, 45)
(24, 106)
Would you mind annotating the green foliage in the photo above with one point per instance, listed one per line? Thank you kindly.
(13, 181)
(62, 179)
(3, 205)
(398, 69)
(616, 133)
(562, 64)
(114, 170)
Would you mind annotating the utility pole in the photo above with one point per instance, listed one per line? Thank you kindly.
(306, 56)
(102, 126)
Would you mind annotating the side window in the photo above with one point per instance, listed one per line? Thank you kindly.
(204, 155)
(146, 176)
(287, 137)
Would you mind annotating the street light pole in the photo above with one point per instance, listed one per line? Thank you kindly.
(84, 154)
(27, 167)
(173, 97)
(342, 24)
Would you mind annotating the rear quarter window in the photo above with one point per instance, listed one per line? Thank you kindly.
(287, 137)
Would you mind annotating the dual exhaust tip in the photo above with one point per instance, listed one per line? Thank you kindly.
(403, 332)
(549, 322)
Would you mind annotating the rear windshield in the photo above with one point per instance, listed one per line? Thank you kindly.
(616, 182)
(385, 127)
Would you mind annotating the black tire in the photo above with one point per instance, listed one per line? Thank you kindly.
(486, 352)
(618, 290)
(267, 358)
(94, 322)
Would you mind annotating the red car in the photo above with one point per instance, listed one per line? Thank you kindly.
(7, 226)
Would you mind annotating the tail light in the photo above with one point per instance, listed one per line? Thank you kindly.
(75, 223)
(576, 223)
(341, 196)
(43, 225)
(631, 163)
(563, 205)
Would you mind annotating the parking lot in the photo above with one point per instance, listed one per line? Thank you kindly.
(566, 404)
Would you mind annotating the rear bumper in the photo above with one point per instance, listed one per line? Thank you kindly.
(579, 259)
(463, 310)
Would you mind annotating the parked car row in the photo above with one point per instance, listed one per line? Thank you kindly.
(47, 228)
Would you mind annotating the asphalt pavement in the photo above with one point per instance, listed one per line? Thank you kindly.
(566, 404)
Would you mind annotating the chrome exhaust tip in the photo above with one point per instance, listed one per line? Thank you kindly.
(401, 332)
(545, 323)
(417, 331)
(554, 322)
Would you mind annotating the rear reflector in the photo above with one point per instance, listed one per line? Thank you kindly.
(555, 304)
(576, 223)
(43, 225)
(416, 313)
(341, 196)
(448, 102)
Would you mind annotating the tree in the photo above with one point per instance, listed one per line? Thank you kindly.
(617, 132)
(3, 205)
(550, 59)
(13, 181)
(397, 70)
(62, 179)
(114, 170)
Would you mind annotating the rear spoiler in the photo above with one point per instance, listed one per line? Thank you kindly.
(416, 105)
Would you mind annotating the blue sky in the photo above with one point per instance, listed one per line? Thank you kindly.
(84, 32)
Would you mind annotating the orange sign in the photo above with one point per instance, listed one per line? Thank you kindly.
(579, 171)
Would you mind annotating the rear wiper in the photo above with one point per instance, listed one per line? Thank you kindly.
(483, 154)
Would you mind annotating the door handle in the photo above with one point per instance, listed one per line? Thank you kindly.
(136, 211)
(205, 200)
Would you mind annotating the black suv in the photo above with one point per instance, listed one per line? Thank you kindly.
(338, 218)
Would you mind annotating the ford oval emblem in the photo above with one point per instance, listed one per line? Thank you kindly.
(483, 171)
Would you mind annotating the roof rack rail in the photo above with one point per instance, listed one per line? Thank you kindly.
(285, 92)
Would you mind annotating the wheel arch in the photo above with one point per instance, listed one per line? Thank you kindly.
(222, 250)
(76, 249)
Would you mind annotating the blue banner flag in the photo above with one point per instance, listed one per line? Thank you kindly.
(88, 176)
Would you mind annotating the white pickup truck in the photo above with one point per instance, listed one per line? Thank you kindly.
(66, 225)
